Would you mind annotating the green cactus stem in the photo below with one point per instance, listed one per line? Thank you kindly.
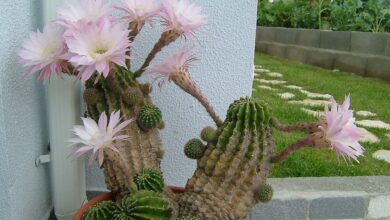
(142, 205)
(101, 211)
(194, 149)
(149, 117)
(265, 193)
(149, 179)
(209, 134)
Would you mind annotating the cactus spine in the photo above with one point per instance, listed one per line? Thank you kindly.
(228, 176)
(149, 117)
(265, 193)
(150, 179)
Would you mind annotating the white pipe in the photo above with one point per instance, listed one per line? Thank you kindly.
(63, 101)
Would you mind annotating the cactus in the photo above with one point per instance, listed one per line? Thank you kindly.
(228, 176)
(146, 88)
(150, 179)
(143, 149)
(265, 193)
(149, 117)
(101, 211)
(132, 96)
(142, 205)
(194, 149)
(91, 96)
(209, 134)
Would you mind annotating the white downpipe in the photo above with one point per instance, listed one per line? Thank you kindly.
(67, 175)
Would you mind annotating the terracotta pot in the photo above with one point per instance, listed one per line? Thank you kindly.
(108, 196)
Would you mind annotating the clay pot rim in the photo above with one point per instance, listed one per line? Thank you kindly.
(108, 196)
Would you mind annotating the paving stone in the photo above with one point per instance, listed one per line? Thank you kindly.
(286, 95)
(272, 82)
(310, 102)
(265, 34)
(382, 155)
(259, 70)
(368, 43)
(261, 46)
(313, 113)
(353, 63)
(267, 88)
(286, 35)
(315, 95)
(365, 113)
(374, 124)
(320, 57)
(274, 74)
(308, 37)
(276, 49)
(338, 208)
(368, 136)
(378, 67)
(379, 207)
(293, 87)
(278, 209)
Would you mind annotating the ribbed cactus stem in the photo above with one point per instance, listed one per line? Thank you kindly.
(166, 38)
(116, 159)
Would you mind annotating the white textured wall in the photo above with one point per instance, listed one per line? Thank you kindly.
(25, 189)
(224, 73)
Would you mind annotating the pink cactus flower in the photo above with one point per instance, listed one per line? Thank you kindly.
(75, 11)
(140, 11)
(43, 52)
(97, 47)
(340, 132)
(177, 63)
(182, 16)
(93, 138)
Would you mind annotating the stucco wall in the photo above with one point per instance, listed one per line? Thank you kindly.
(224, 73)
(25, 189)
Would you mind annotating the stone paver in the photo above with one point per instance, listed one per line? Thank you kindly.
(379, 207)
(272, 82)
(374, 124)
(365, 113)
(262, 71)
(382, 155)
(314, 113)
(315, 95)
(368, 136)
(274, 74)
(310, 102)
(293, 87)
(286, 95)
(267, 88)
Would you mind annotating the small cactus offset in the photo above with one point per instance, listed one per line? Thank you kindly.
(101, 211)
(209, 134)
(142, 205)
(265, 193)
(149, 117)
(150, 179)
(91, 96)
(194, 149)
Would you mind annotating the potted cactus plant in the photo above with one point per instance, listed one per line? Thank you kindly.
(121, 128)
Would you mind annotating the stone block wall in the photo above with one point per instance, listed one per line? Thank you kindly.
(365, 54)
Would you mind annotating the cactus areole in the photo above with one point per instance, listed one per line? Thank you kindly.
(121, 124)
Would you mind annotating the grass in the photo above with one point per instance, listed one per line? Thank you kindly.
(366, 94)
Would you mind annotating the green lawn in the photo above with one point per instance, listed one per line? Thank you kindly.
(366, 94)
